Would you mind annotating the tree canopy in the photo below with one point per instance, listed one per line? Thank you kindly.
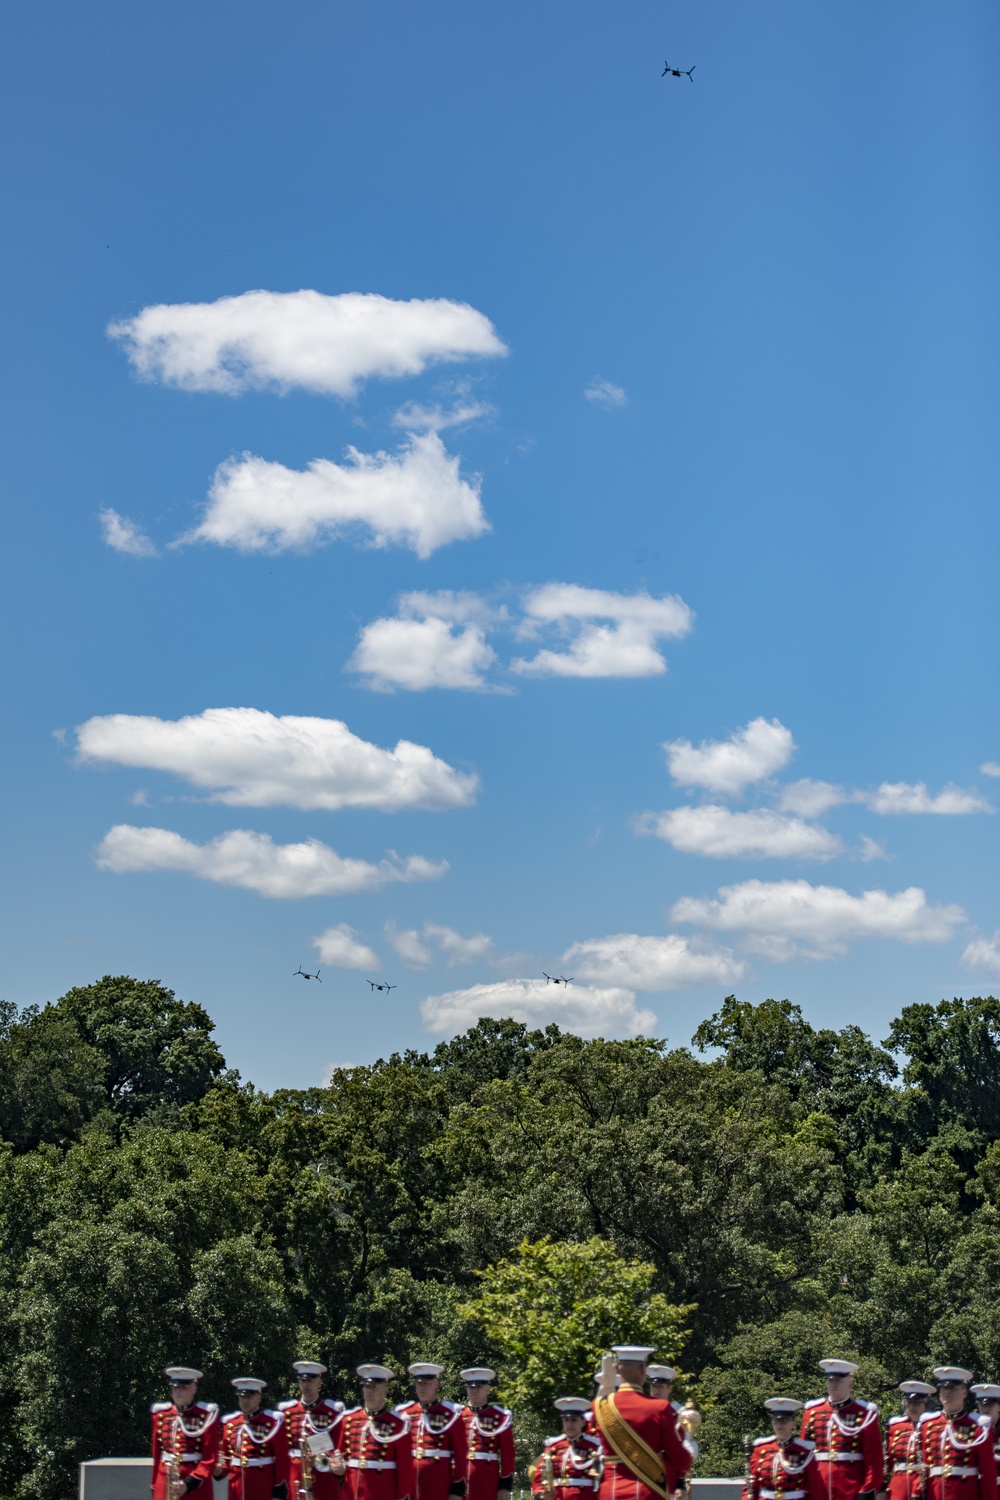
(515, 1196)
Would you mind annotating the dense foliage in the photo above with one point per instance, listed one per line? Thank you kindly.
(516, 1196)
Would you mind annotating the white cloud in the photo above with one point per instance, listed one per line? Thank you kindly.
(248, 758)
(728, 766)
(124, 535)
(436, 640)
(652, 963)
(414, 417)
(722, 834)
(604, 393)
(339, 947)
(870, 849)
(306, 339)
(983, 956)
(626, 647)
(252, 861)
(577, 1008)
(414, 498)
(894, 797)
(416, 947)
(811, 799)
(990, 768)
(785, 917)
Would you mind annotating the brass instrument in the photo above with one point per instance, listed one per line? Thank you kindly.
(548, 1477)
(175, 1484)
(690, 1419)
(305, 1484)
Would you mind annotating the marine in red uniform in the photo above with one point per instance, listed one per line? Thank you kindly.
(185, 1437)
(570, 1467)
(847, 1435)
(437, 1433)
(375, 1452)
(783, 1467)
(954, 1450)
(902, 1467)
(253, 1452)
(489, 1438)
(988, 1406)
(660, 1379)
(628, 1410)
(305, 1421)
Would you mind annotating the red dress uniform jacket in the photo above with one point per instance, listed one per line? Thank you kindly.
(576, 1467)
(254, 1450)
(192, 1437)
(902, 1469)
(440, 1451)
(490, 1442)
(656, 1423)
(783, 1473)
(323, 1416)
(379, 1454)
(956, 1458)
(848, 1446)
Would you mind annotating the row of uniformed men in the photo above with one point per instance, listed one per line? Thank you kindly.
(949, 1453)
(313, 1448)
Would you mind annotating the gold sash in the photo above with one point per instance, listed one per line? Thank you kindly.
(645, 1463)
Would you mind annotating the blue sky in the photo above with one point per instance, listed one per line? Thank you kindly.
(681, 393)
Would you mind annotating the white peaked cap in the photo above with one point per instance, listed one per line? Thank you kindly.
(599, 1375)
(375, 1372)
(837, 1367)
(572, 1403)
(661, 1372)
(782, 1406)
(425, 1369)
(952, 1372)
(308, 1367)
(478, 1372)
(182, 1372)
(916, 1388)
(633, 1352)
(248, 1383)
(986, 1392)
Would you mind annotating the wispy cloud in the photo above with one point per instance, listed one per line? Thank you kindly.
(255, 863)
(610, 635)
(670, 962)
(751, 754)
(339, 947)
(435, 641)
(414, 498)
(124, 535)
(305, 339)
(586, 1011)
(605, 393)
(719, 833)
(419, 947)
(245, 757)
(780, 919)
(982, 956)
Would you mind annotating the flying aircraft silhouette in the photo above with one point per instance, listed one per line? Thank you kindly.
(679, 72)
(557, 978)
(385, 987)
(301, 970)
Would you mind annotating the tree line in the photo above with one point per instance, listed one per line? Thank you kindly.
(770, 1195)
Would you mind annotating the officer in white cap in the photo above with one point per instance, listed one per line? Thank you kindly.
(185, 1436)
(639, 1435)
(377, 1450)
(306, 1421)
(988, 1406)
(660, 1379)
(847, 1435)
(489, 1437)
(440, 1452)
(254, 1447)
(571, 1461)
(901, 1437)
(782, 1466)
(953, 1448)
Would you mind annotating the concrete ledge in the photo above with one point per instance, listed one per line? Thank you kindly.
(130, 1479)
